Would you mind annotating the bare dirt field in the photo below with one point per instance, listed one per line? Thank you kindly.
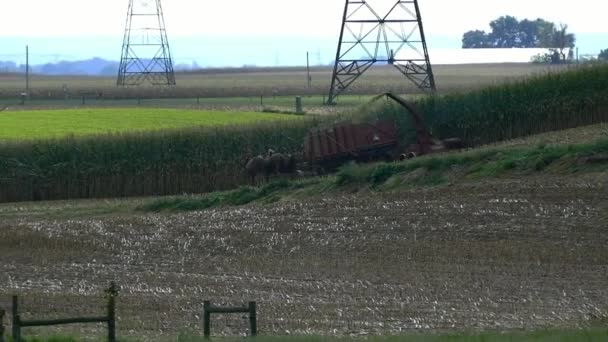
(494, 255)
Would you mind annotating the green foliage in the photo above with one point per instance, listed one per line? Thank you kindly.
(508, 32)
(476, 164)
(352, 174)
(424, 171)
(201, 159)
(603, 56)
(240, 196)
(550, 102)
(476, 39)
(384, 171)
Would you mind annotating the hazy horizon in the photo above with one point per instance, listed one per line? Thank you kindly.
(263, 33)
(228, 51)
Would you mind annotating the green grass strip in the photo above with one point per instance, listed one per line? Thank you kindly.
(425, 171)
(583, 335)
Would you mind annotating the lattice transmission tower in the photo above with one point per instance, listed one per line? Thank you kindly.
(381, 31)
(146, 57)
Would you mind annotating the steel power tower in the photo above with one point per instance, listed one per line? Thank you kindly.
(396, 37)
(145, 50)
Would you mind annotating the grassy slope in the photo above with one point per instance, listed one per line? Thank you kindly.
(508, 152)
(425, 171)
(58, 123)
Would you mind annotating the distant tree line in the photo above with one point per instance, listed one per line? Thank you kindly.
(508, 32)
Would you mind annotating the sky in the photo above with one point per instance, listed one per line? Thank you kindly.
(444, 20)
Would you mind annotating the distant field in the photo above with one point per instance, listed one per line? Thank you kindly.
(59, 123)
(311, 103)
(275, 81)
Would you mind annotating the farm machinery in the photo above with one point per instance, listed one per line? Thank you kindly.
(326, 149)
(331, 147)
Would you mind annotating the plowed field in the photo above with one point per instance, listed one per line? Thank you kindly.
(502, 254)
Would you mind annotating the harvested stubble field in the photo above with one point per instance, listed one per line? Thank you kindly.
(271, 81)
(494, 255)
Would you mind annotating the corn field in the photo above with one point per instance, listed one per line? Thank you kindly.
(155, 163)
(208, 159)
(542, 103)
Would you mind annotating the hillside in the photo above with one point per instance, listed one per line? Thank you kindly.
(568, 153)
(517, 251)
(574, 148)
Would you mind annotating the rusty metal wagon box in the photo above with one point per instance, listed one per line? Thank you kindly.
(350, 141)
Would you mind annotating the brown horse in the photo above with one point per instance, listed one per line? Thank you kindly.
(256, 166)
(272, 165)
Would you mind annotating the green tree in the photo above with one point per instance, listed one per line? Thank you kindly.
(603, 56)
(505, 32)
(528, 33)
(545, 31)
(475, 40)
(508, 32)
(536, 33)
(562, 40)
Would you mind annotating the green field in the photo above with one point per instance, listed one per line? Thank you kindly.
(38, 124)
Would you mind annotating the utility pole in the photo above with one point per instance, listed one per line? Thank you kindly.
(308, 78)
(27, 70)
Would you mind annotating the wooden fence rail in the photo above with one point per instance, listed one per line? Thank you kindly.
(110, 319)
(208, 310)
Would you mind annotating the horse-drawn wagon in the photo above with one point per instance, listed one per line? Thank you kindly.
(327, 148)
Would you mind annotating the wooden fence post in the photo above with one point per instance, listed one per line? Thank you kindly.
(110, 319)
(2, 312)
(16, 320)
(112, 293)
(208, 310)
(206, 319)
(253, 319)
